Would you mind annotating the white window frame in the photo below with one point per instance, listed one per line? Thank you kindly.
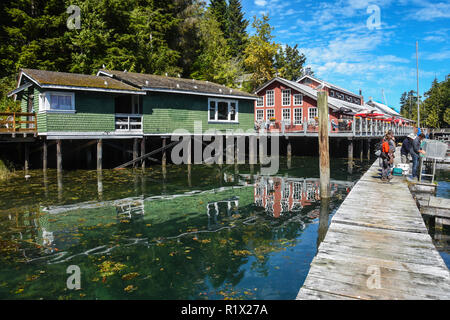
(257, 117)
(216, 111)
(45, 105)
(267, 114)
(283, 97)
(301, 99)
(286, 121)
(260, 99)
(268, 100)
(301, 116)
(309, 113)
(332, 93)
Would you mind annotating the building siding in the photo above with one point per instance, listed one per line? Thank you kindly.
(94, 113)
(164, 113)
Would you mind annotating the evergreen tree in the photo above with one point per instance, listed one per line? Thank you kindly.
(214, 62)
(260, 53)
(219, 8)
(289, 63)
(237, 28)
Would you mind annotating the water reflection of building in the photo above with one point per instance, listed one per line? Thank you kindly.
(280, 195)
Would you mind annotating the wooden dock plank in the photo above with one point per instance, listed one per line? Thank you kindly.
(377, 247)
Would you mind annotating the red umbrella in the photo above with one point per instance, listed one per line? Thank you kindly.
(371, 115)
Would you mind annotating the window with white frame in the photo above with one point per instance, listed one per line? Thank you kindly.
(287, 116)
(260, 102)
(298, 99)
(259, 114)
(223, 110)
(286, 97)
(270, 113)
(270, 98)
(57, 101)
(312, 113)
(298, 116)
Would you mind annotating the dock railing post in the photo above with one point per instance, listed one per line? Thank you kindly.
(324, 153)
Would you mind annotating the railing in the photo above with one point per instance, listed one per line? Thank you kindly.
(358, 127)
(21, 122)
(128, 122)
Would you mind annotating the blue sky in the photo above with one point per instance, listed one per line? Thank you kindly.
(341, 48)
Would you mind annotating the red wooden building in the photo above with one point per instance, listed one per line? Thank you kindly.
(288, 106)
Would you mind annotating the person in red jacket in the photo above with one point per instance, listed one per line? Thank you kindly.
(386, 158)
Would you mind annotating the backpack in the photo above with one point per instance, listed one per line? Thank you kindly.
(378, 148)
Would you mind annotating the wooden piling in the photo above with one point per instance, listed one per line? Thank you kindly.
(164, 155)
(26, 157)
(58, 156)
(135, 151)
(361, 150)
(350, 149)
(324, 152)
(143, 152)
(44, 155)
(368, 149)
(99, 154)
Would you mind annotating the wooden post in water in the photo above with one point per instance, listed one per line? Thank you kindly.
(368, 148)
(324, 152)
(99, 154)
(44, 155)
(350, 155)
(289, 154)
(135, 151)
(164, 154)
(143, 153)
(361, 151)
(58, 156)
(27, 157)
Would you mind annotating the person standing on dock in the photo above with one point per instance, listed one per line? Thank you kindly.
(387, 157)
(406, 147)
(415, 151)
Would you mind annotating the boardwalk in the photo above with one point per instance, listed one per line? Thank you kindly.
(377, 247)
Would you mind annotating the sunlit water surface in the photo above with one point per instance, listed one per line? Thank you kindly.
(206, 233)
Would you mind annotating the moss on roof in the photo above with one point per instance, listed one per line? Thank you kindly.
(76, 80)
(177, 84)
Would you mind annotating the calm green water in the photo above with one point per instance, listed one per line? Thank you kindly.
(215, 233)
(443, 191)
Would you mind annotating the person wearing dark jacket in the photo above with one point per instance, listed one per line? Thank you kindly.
(406, 146)
(415, 151)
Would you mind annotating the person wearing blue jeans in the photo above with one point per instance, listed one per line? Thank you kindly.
(415, 151)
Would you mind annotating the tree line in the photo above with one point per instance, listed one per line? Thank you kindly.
(185, 38)
(434, 110)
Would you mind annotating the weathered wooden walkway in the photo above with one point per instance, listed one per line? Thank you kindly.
(377, 247)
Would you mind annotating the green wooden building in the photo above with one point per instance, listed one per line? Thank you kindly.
(116, 104)
(125, 105)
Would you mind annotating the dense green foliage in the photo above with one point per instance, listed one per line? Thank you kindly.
(178, 37)
(434, 110)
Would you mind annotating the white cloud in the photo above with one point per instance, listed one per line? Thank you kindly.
(431, 11)
(261, 3)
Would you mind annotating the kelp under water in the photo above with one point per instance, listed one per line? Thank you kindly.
(208, 232)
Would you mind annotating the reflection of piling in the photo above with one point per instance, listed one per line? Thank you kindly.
(323, 220)
(60, 185)
(100, 185)
(324, 153)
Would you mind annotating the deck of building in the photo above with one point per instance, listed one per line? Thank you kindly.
(377, 247)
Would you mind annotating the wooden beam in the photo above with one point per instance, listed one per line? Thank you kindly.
(44, 155)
